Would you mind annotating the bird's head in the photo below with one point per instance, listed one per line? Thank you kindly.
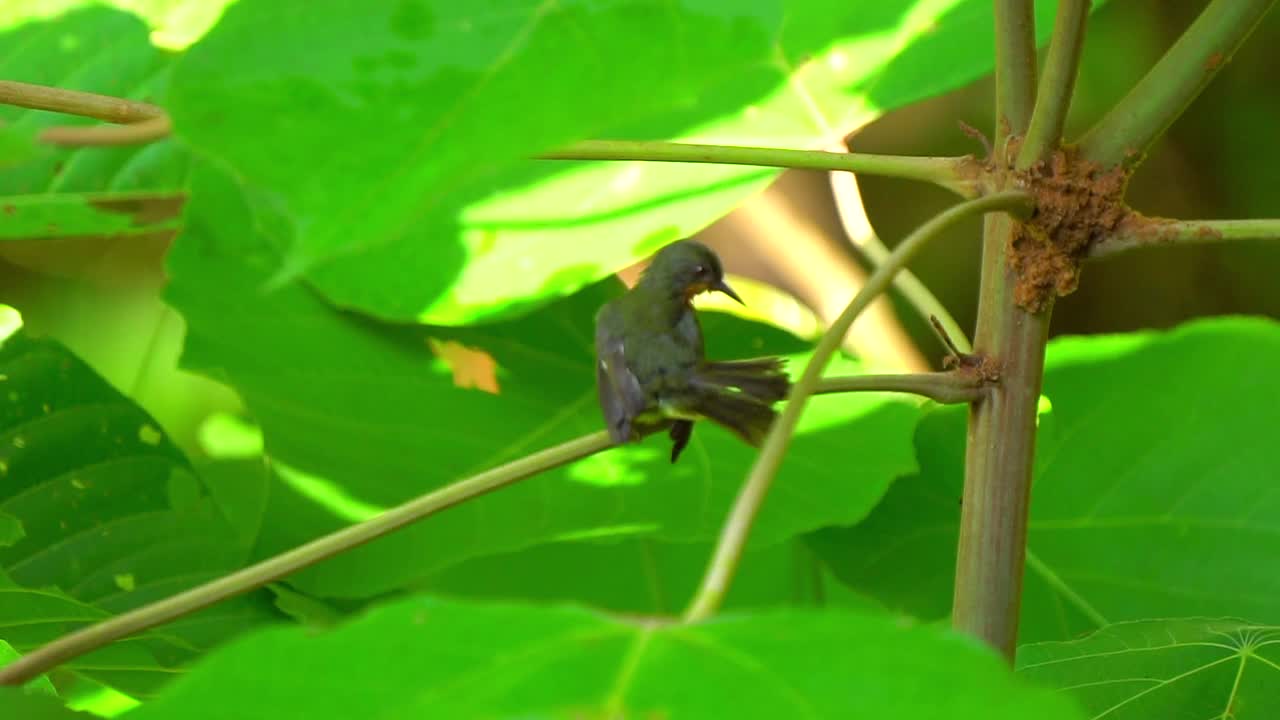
(686, 268)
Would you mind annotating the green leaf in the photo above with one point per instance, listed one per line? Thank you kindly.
(1153, 488)
(425, 657)
(632, 576)
(113, 517)
(98, 50)
(14, 703)
(1196, 667)
(126, 217)
(393, 164)
(359, 416)
(38, 686)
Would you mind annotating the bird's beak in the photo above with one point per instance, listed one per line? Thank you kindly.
(723, 287)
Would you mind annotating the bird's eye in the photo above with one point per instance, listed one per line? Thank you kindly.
(699, 269)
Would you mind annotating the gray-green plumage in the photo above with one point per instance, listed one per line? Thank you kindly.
(651, 369)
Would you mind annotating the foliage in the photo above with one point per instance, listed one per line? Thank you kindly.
(364, 249)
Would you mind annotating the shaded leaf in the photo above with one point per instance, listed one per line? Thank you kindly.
(1153, 488)
(1192, 668)
(14, 703)
(428, 657)
(632, 576)
(113, 517)
(358, 416)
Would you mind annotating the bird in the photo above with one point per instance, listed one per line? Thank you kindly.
(651, 369)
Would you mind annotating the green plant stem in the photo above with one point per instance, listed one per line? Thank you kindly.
(75, 102)
(944, 387)
(1015, 67)
(1057, 82)
(95, 636)
(999, 454)
(733, 537)
(1157, 232)
(1127, 131)
(844, 188)
(957, 174)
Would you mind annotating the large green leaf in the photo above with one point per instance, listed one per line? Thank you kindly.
(637, 576)
(112, 516)
(1193, 668)
(1154, 488)
(360, 415)
(393, 164)
(424, 657)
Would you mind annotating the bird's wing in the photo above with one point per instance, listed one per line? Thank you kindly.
(621, 397)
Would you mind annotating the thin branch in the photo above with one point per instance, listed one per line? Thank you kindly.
(1015, 68)
(1125, 133)
(733, 538)
(948, 387)
(1057, 83)
(95, 636)
(1148, 232)
(953, 173)
(137, 133)
(75, 102)
(844, 188)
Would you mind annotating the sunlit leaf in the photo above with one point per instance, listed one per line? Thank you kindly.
(414, 198)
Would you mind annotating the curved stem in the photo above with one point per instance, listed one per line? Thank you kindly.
(95, 636)
(733, 538)
(136, 133)
(954, 173)
(1125, 133)
(75, 102)
(1148, 232)
(844, 187)
(1053, 98)
(944, 387)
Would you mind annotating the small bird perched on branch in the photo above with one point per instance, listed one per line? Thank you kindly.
(651, 372)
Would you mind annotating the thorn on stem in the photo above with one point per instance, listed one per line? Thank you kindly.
(978, 135)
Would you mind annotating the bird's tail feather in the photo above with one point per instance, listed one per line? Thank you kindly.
(744, 415)
(764, 379)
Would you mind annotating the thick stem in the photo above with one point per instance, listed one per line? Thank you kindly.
(733, 538)
(1015, 67)
(1044, 133)
(1125, 133)
(999, 456)
(1149, 232)
(954, 173)
(95, 636)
